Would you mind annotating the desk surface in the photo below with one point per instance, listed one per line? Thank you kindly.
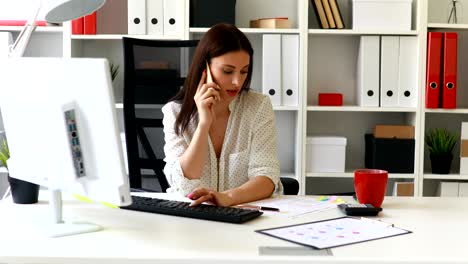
(439, 225)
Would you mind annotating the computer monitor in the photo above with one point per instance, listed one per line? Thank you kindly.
(62, 131)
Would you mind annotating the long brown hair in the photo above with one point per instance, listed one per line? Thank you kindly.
(219, 40)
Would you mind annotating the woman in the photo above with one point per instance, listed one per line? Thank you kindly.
(221, 136)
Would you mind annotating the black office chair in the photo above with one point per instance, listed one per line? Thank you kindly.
(154, 72)
(290, 186)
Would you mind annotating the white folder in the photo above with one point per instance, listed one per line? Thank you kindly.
(5, 41)
(463, 165)
(137, 17)
(154, 17)
(464, 130)
(271, 66)
(389, 71)
(290, 70)
(447, 189)
(173, 17)
(463, 189)
(408, 66)
(368, 71)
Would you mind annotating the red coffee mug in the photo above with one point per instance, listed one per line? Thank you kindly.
(370, 186)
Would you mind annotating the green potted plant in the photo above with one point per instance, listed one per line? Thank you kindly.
(440, 143)
(4, 153)
(114, 70)
(22, 192)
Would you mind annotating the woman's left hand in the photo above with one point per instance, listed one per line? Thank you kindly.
(201, 195)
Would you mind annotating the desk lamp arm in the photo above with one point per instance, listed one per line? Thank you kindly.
(19, 46)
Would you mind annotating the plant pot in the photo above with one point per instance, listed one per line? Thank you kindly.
(23, 192)
(441, 164)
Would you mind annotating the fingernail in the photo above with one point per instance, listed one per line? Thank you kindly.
(190, 195)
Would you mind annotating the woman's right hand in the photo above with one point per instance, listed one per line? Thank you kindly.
(206, 97)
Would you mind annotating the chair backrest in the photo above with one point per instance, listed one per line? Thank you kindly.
(154, 72)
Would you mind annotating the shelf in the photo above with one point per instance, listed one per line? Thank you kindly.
(289, 175)
(360, 109)
(446, 177)
(351, 175)
(360, 32)
(254, 30)
(38, 29)
(141, 106)
(447, 26)
(285, 108)
(119, 37)
(447, 111)
(156, 106)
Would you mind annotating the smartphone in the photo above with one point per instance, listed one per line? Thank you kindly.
(209, 78)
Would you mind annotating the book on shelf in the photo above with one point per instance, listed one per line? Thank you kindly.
(320, 14)
(328, 13)
(336, 14)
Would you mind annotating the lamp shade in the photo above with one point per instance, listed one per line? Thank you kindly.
(66, 10)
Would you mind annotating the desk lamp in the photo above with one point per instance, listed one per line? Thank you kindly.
(58, 11)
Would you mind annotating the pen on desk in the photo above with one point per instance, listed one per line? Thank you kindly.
(258, 207)
(266, 208)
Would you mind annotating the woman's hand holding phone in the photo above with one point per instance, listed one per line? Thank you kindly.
(206, 97)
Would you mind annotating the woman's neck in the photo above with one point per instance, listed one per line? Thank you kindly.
(221, 109)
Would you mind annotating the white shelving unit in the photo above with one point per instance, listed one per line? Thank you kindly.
(46, 41)
(451, 119)
(327, 63)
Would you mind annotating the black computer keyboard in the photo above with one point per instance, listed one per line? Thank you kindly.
(203, 211)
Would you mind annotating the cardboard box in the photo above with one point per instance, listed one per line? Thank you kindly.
(390, 131)
(270, 23)
(464, 148)
(403, 189)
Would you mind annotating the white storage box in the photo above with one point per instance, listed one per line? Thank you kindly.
(325, 154)
(382, 14)
(464, 149)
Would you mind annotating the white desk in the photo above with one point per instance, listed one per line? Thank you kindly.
(440, 227)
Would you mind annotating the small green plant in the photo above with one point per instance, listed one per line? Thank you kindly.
(4, 153)
(114, 70)
(440, 141)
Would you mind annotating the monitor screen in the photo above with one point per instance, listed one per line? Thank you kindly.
(61, 125)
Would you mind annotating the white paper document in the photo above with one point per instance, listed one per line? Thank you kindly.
(334, 232)
(296, 205)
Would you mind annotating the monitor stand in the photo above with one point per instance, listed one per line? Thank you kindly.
(59, 228)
